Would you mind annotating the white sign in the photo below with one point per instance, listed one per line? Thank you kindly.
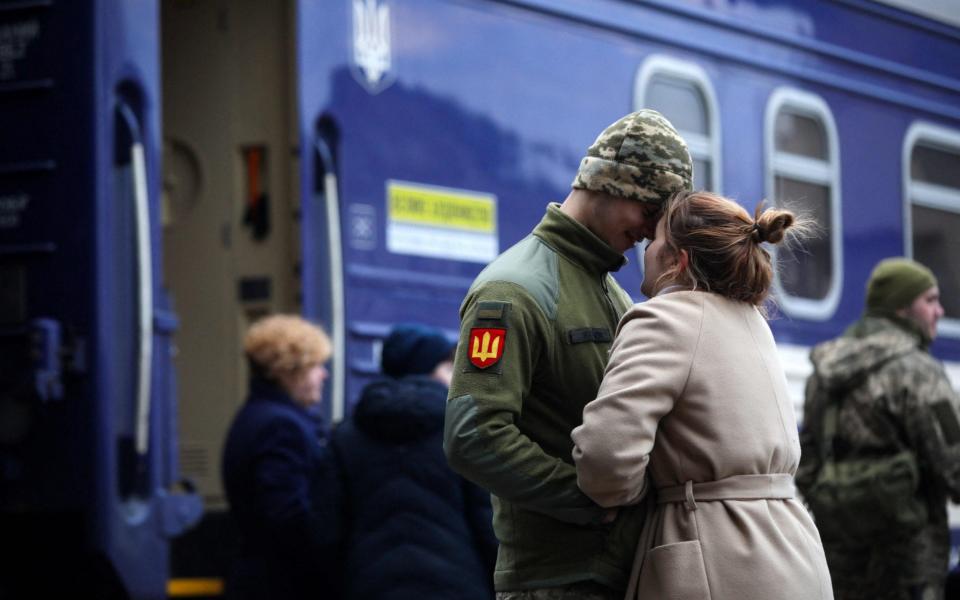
(437, 222)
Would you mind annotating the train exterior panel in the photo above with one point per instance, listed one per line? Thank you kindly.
(562, 71)
(172, 170)
(89, 472)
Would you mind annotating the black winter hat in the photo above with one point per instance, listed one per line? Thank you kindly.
(414, 349)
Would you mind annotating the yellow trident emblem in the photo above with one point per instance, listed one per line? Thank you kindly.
(486, 348)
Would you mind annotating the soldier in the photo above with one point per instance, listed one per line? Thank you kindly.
(891, 397)
(536, 328)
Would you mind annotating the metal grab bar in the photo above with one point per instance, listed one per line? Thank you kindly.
(335, 251)
(145, 272)
(145, 280)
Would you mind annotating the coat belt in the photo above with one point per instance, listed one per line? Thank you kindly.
(772, 486)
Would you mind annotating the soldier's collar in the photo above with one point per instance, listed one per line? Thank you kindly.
(570, 238)
(873, 319)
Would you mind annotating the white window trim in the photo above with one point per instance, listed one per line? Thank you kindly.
(700, 146)
(812, 171)
(927, 194)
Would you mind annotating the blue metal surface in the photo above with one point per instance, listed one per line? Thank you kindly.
(71, 483)
(512, 118)
(498, 97)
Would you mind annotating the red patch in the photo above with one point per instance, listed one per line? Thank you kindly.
(486, 346)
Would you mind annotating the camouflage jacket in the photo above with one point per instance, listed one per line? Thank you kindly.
(895, 395)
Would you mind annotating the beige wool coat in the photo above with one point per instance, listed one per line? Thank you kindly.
(694, 409)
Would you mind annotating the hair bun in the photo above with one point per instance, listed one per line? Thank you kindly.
(771, 225)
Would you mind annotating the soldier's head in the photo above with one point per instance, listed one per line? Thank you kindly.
(632, 168)
(904, 288)
(708, 242)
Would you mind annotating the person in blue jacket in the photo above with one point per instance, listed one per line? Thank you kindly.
(415, 528)
(278, 472)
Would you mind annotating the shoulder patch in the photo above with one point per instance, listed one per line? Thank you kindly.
(485, 346)
(491, 310)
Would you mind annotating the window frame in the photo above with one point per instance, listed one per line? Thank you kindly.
(710, 146)
(809, 170)
(701, 147)
(932, 195)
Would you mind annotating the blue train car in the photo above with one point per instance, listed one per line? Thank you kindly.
(172, 170)
(87, 422)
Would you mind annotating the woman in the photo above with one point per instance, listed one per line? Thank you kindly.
(695, 395)
(277, 471)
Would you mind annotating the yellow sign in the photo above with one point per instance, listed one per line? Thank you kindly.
(440, 207)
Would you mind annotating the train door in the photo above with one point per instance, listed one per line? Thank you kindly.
(230, 221)
(88, 496)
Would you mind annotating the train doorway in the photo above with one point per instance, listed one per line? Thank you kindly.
(230, 220)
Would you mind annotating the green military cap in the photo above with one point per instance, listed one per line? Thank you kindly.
(640, 157)
(895, 283)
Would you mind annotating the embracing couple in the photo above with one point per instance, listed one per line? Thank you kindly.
(649, 449)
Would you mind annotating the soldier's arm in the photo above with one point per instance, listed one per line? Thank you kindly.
(931, 413)
(481, 438)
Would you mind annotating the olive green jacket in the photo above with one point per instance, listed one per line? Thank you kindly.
(508, 420)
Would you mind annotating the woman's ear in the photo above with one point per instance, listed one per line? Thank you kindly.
(683, 259)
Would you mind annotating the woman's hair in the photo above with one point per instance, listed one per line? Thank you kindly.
(281, 344)
(723, 242)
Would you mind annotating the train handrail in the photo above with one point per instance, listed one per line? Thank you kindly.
(145, 280)
(335, 249)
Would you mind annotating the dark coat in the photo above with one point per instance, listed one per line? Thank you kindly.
(415, 528)
(282, 487)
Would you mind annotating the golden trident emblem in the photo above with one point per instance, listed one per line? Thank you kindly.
(482, 350)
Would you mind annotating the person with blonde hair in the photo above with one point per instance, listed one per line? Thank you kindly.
(694, 410)
(278, 473)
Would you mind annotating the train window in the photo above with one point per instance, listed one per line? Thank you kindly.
(932, 211)
(682, 99)
(803, 173)
(934, 165)
(682, 92)
(800, 134)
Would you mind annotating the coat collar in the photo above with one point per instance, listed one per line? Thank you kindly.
(872, 323)
(265, 390)
(577, 243)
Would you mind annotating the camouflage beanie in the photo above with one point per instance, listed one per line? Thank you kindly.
(895, 283)
(640, 157)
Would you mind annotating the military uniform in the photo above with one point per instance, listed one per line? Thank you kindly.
(890, 376)
(508, 423)
(536, 328)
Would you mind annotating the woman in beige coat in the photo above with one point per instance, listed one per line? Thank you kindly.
(693, 410)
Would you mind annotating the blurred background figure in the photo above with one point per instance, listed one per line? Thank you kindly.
(277, 470)
(415, 529)
(878, 403)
